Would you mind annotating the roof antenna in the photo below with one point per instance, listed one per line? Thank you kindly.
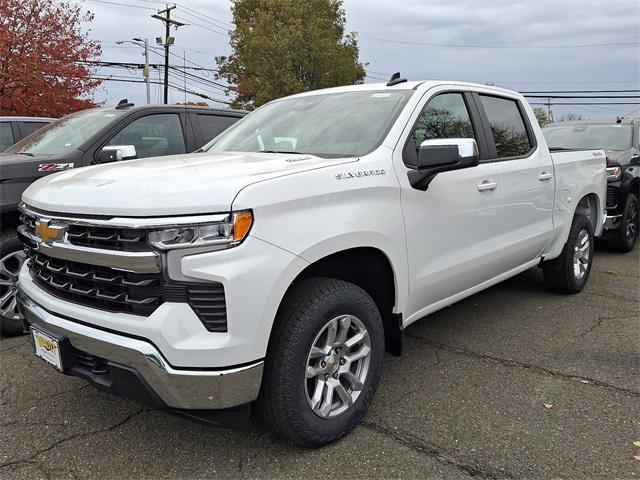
(395, 79)
(618, 119)
(124, 103)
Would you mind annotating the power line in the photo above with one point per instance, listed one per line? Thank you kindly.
(191, 22)
(450, 45)
(122, 4)
(582, 96)
(584, 103)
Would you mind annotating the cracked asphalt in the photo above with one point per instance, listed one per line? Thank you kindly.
(513, 382)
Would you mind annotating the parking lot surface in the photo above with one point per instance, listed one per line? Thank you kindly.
(514, 382)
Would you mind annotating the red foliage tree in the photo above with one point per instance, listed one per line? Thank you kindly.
(41, 45)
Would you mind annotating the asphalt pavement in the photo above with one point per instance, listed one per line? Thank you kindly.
(514, 382)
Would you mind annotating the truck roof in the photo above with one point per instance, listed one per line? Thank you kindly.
(26, 119)
(422, 85)
(222, 111)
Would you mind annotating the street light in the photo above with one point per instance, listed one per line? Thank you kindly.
(142, 42)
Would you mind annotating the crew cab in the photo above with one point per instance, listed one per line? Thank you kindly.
(89, 137)
(620, 139)
(274, 269)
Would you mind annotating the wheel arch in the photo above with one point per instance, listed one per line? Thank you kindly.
(589, 205)
(370, 269)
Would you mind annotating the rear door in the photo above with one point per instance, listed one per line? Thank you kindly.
(208, 126)
(527, 180)
(452, 228)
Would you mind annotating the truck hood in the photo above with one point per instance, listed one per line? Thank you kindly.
(177, 185)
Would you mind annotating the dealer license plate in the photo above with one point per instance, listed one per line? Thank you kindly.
(47, 348)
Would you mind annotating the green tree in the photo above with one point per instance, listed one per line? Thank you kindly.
(542, 116)
(282, 47)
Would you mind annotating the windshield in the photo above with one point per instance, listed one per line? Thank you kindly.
(605, 136)
(65, 134)
(349, 124)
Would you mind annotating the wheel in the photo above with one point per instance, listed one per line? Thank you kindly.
(323, 362)
(627, 233)
(11, 259)
(569, 272)
(10, 319)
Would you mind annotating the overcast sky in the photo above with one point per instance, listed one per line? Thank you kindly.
(487, 41)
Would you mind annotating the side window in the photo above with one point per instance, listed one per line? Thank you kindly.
(153, 135)
(210, 126)
(444, 116)
(507, 126)
(6, 136)
(27, 128)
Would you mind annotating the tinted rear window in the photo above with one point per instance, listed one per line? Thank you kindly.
(210, 126)
(507, 125)
(27, 128)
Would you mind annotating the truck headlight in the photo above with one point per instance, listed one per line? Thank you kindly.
(228, 233)
(614, 173)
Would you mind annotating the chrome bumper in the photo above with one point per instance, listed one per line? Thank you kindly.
(177, 388)
(612, 222)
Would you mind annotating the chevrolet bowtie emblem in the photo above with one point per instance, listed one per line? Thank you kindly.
(48, 233)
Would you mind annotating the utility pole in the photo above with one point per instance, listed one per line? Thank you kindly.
(549, 112)
(146, 71)
(168, 41)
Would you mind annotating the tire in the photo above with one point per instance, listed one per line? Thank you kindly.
(570, 271)
(626, 234)
(11, 258)
(290, 382)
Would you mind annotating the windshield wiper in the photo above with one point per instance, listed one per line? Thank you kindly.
(26, 153)
(280, 151)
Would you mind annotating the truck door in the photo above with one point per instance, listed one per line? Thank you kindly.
(527, 182)
(452, 228)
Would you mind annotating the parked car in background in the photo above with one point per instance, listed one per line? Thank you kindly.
(620, 139)
(279, 264)
(14, 129)
(90, 137)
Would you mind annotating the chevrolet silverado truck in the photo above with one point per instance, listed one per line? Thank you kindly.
(620, 139)
(275, 269)
(89, 137)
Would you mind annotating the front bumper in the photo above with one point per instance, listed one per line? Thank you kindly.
(612, 222)
(175, 388)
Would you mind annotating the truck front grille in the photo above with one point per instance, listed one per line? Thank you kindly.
(123, 292)
(612, 200)
(107, 238)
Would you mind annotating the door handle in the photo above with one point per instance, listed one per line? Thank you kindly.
(487, 185)
(545, 176)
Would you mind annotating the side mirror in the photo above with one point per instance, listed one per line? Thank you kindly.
(115, 153)
(442, 155)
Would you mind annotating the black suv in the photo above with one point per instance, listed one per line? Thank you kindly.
(620, 139)
(89, 137)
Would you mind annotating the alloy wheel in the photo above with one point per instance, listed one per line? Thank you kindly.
(632, 220)
(337, 366)
(9, 268)
(582, 254)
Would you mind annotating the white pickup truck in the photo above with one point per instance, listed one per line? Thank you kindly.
(277, 268)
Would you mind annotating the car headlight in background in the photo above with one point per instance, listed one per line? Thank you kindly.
(227, 233)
